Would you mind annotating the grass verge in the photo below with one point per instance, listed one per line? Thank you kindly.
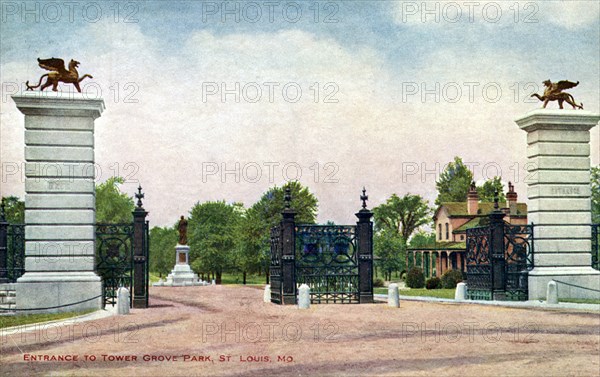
(439, 293)
(26, 319)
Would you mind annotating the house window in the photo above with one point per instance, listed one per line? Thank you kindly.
(440, 232)
(447, 232)
(462, 237)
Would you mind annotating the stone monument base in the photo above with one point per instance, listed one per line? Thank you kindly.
(182, 274)
(51, 290)
(569, 281)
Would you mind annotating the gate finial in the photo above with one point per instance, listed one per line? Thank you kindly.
(496, 199)
(364, 197)
(288, 197)
(139, 195)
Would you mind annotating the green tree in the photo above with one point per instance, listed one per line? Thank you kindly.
(595, 181)
(162, 249)
(113, 206)
(255, 228)
(252, 251)
(402, 215)
(14, 209)
(454, 182)
(390, 249)
(489, 187)
(212, 236)
(422, 239)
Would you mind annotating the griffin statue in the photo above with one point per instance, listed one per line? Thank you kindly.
(554, 92)
(58, 74)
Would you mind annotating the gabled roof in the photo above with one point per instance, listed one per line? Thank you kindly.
(459, 209)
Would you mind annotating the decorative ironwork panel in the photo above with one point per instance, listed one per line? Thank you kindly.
(479, 263)
(518, 246)
(327, 261)
(275, 267)
(15, 258)
(114, 263)
(595, 246)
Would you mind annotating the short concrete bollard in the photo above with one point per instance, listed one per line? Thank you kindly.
(461, 292)
(267, 295)
(393, 296)
(304, 297)
(123, 301)
(213, 282)
(552, 293)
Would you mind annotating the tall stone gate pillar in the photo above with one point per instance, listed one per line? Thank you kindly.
(559, 192)
(59, 202)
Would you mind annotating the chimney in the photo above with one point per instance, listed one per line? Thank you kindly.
(511, 198)
(472, 200)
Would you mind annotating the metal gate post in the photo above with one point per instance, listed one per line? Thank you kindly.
(288, 255)
(497, 252)
(364, 235)
(140, 262)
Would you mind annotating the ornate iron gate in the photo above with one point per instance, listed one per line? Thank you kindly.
(479, 263)
(499, 270)
(326, 261)
(12, 252)
(275, 267)
(114, 253)
(518, 247)
(335, 261)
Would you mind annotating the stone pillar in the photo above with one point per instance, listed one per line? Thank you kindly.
(559, 192)
(393, 296)
(59, 202)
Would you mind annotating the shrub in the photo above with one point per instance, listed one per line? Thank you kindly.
(433, 283)
(415, 278)
(378, 283)
(450, 278)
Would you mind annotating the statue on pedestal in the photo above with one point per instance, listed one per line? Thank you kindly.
(58, 73)
(554, 92)
(182, 228)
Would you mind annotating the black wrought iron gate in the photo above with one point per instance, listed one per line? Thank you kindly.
(114, 263)
(327, 261)
(499, 258)
(335, 261)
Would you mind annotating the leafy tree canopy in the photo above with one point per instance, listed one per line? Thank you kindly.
(402, 215)
(113, 206)
(14, 209)
(454, 182)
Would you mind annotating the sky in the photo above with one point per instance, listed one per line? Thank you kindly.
(222, 100)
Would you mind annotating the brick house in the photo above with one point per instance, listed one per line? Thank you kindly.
(451, 221)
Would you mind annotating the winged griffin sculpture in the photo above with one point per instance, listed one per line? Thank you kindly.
(554, 92)
(58, 73)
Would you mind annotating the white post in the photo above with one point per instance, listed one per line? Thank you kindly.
(393, 296)
(461, 291)
(304, 297)
(552, 293)
(267, 294)
(123, 301)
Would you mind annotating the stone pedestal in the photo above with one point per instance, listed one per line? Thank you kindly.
(559, 192)
(59, 202)
(182, 274)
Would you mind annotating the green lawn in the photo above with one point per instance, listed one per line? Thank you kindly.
(580, 301)
(226, 278)
(440, 293)
(25, 319)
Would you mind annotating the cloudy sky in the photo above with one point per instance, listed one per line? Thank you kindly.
(212, 100)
